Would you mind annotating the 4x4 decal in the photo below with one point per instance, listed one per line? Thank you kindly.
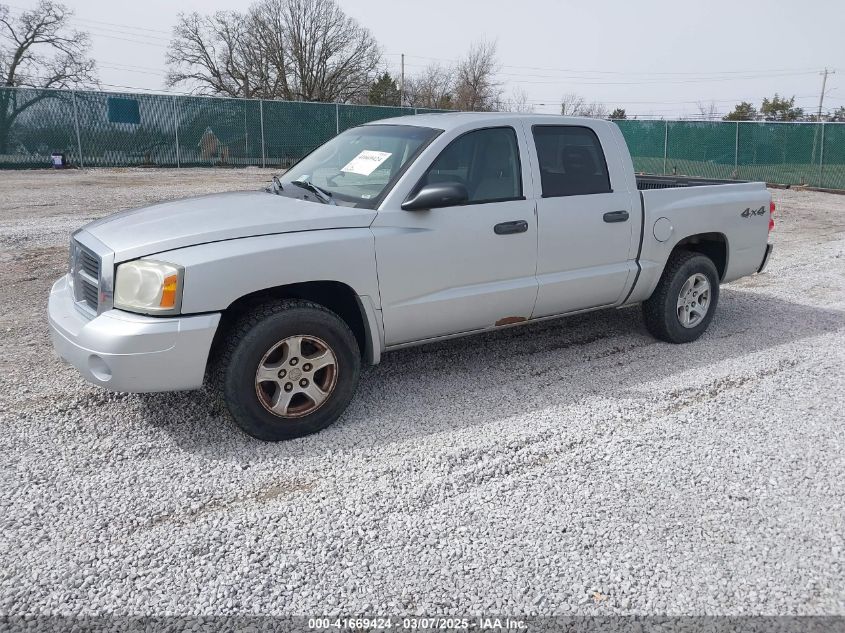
(749, 212)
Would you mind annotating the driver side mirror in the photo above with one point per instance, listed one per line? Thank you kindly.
(437, 195)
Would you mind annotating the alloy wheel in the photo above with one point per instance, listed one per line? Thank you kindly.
(296, 376)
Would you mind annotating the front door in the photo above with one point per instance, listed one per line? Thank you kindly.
(461, 268)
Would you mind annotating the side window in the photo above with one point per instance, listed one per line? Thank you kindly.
(486, 162)
(571, 161)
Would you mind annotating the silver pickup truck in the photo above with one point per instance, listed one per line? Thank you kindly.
(392, 234)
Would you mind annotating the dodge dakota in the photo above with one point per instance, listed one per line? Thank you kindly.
(395, 233)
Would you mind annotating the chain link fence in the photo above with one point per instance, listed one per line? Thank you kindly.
(108, 129)
(788, 153)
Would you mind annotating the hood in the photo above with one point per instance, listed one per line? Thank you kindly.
(170, 225)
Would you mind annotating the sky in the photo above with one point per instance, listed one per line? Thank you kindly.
(655, 59)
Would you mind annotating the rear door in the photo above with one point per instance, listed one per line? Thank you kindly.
(461, 268)
(586, 219)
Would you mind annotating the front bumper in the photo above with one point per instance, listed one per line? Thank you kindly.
(122, 351)
(766, 257)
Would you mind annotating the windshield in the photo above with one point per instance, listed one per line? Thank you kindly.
(358, 165)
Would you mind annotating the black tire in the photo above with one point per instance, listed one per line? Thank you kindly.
(661, 309)
(233, 373)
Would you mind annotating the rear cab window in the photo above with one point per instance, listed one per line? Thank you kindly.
(571, 161)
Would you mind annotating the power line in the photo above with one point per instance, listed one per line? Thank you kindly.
(126, 39)
(590, 82)
(587, 80)
(74, 18)
(548, 101)
(101, 30)
(157, 90)
(554, 100)
(123, 26)
(158, 70)
(132, 70)
(623, 72)
(544, 102)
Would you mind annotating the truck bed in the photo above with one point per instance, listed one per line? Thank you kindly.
(737, 215)
(646, 182)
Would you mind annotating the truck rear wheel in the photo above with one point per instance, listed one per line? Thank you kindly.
(288, 369)
(682, 306)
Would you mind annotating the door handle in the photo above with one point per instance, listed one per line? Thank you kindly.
(616, 216)
(506, 228)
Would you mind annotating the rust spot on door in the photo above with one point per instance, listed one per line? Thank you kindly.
(510, 320)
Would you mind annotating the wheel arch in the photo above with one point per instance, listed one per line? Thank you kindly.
(713, 245)
(356, 311)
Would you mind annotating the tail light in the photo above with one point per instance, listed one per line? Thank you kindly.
(771, 215)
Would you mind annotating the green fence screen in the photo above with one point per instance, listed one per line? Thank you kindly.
(788, 153)
(108, 129)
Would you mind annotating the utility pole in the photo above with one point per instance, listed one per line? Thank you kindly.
(402, 84)
(824, 75)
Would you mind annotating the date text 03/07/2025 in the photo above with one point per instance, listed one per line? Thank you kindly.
(420, 623)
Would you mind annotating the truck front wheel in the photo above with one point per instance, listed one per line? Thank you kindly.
(287, 369)
(682, 305)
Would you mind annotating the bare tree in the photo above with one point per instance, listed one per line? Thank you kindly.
(571, 104)
(594, 110)
(38, 49)
(216, 54)
(333, 57)
(270, 32)
(519, 101)
(708, 111)
(307, 50)
(432, 88)
(476, 87)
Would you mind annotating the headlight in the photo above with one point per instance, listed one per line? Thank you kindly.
(148, 286)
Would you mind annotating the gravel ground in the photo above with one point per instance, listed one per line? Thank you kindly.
(572, 467)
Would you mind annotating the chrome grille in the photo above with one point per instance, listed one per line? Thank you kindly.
(85, 276)
(90, 263)
(90, 295)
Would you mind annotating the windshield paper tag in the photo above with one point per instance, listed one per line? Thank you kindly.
(366, 162)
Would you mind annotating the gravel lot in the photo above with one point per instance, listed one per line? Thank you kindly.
(573, 467)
